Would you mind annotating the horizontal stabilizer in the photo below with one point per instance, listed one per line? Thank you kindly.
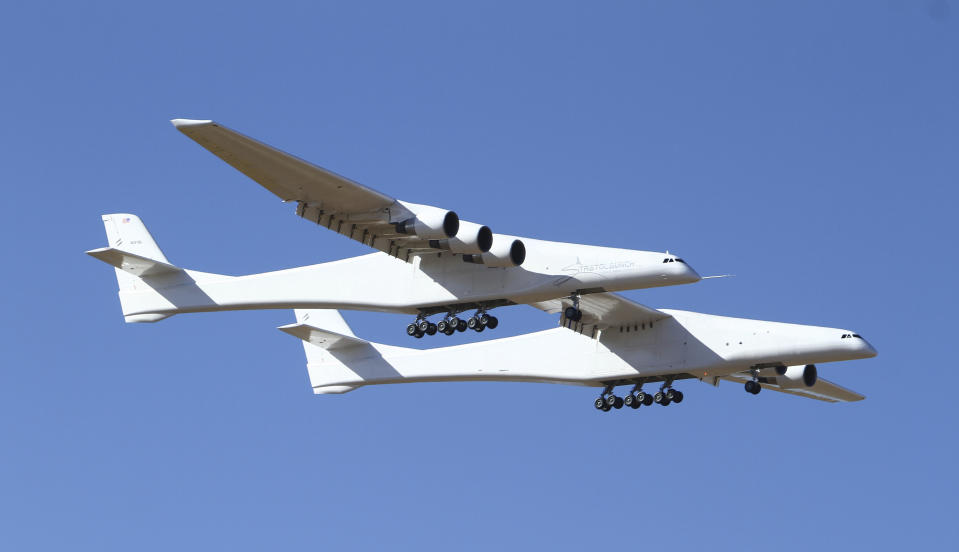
(324, 339)
(137, 265)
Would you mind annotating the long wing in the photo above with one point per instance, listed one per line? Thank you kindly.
(328, 199)
(823, 390)
(602, 311)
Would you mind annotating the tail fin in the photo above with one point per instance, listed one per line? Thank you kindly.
(328, 342)
(128, 233)
(135, 255)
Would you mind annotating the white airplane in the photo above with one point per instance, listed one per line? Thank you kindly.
(617, 342)
(429, 261)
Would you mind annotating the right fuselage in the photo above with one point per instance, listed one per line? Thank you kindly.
(380, 282)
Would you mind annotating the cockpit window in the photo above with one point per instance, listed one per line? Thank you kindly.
(673, 260)
(678, 260)
(850, 336)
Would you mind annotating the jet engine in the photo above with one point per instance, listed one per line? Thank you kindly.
(505, 252)
(472, 238)
(430, 223)
(792, 377)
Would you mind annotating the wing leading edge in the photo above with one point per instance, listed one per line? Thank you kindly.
(396, 227)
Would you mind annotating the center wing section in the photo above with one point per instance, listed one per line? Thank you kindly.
(396, 227)
(601, 311)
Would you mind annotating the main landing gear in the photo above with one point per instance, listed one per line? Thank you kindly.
(636, 398)
(452, 324)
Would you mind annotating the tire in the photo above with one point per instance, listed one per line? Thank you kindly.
(461, 326)
(678, 397)
(670, 394)
(629, 400)
(442, 326)
(454, 322)
(607, 408)
(579, 315)
(658, 398)
(480, 328)
(570, 313)
(418, 334)
(473, 322)
(423, 325)
(484, 319)
(666, 401)
(599, 403)
(648, 400)
(618, 404)
(411, 330)
(431, 330)
(610, 400)
(492, 323)
(750, 387)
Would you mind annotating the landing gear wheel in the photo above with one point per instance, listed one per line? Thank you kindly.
(431, 330)
(618, 403)
(632, 401)
(411, 330)
(659, 397)
(453, 322)
(449, 330)
(492, 322)
(460, 325)
(607, 408)
(666, 401)
(473, 323)
(418, 334)
(753, 387)
(611, 400)
(484, 319)
(647, 399)
(678, 397)
(442, 326)
(670, 394)
(599, 403)
(423, 325)
(574, 314)
(479, 328)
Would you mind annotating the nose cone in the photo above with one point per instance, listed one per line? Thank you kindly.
(861, 348)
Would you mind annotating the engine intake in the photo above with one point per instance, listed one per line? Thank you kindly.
(471, 239)
(430, 224)
(792, 377)
(503, 253)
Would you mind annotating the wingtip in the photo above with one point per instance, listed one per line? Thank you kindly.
(187, 123)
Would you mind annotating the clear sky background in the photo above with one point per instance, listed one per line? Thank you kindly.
(809, 148)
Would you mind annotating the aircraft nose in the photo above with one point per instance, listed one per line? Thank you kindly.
(863, 347)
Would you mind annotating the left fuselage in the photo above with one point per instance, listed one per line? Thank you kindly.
(687, 344)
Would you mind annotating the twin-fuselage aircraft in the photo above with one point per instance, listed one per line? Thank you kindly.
(431, 264)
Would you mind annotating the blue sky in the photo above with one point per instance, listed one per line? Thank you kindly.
(809, 148)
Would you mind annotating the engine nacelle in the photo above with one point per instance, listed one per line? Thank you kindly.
(792, 377)
(430, 223)
(503, 253)
(472, 238)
